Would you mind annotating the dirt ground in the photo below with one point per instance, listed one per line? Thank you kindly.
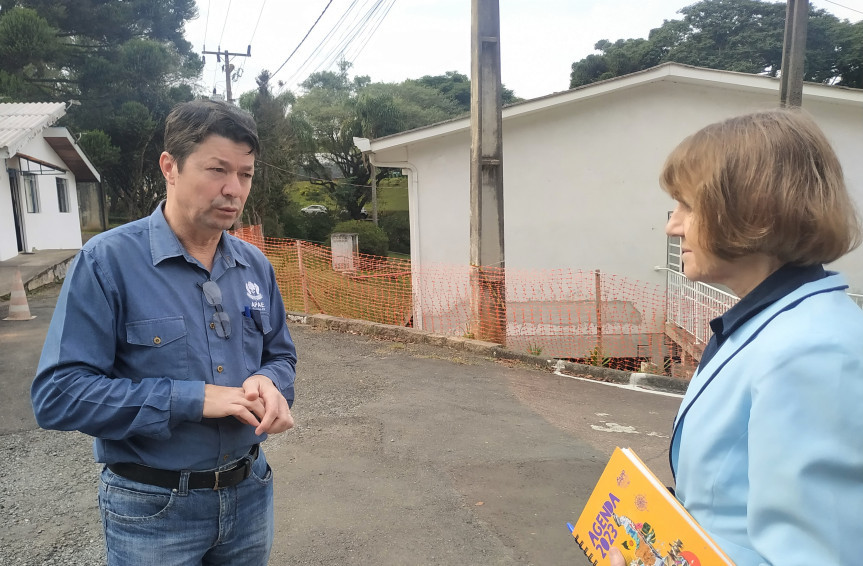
(402, 454)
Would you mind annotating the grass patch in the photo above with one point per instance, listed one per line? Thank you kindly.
(392, 195)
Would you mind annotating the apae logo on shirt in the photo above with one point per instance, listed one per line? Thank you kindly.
(253, 291)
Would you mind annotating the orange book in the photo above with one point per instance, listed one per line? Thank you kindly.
(633, 511)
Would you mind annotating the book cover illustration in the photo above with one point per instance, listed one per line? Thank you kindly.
(633, 511)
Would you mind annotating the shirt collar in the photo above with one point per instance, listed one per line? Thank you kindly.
(164, 243)
(778, 284)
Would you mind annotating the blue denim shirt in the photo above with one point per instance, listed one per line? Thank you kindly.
(131, 346)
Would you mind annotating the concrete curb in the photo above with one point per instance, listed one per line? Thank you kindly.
(642, 381)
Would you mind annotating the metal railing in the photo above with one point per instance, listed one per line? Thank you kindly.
(692, 305)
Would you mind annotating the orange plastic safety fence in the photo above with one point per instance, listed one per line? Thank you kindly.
(583, 316)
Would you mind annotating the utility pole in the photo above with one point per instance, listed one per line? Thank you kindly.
(374, 194)
(228, 67)
(793, 53)
(487, 278)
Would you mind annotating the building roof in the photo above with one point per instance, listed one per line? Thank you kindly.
(673, 72)
(20, 122)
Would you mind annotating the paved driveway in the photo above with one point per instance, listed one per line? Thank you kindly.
(402, 454)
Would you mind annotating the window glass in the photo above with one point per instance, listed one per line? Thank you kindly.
(31, 193)
(62, 195)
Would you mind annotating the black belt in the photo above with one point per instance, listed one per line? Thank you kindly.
(170, 479)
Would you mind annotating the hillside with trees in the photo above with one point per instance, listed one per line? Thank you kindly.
(126, 64)
(733, 35)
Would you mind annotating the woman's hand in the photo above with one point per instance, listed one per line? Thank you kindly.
(616, 557)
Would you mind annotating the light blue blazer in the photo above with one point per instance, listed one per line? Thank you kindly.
(767, 447)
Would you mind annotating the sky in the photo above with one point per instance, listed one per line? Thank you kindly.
(394, 40)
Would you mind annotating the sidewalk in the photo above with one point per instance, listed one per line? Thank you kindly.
(37, 269)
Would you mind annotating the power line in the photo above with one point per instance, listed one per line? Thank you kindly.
(251, 39)
(224, 25)
(841, 6)
(380, 20)
(307, 176)
(338, 52)
(324, 41)
(348, 37)
(304, 39)
(207, 23)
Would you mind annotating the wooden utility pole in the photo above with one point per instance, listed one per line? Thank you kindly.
(228, 67)
(487, 279)
(793, 53)
(374, 194)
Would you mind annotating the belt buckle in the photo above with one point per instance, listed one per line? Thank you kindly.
(216, 485)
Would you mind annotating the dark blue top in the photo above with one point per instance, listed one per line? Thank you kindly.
(778, 284)
(132, 344)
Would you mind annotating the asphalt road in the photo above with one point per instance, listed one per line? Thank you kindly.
(402, 454)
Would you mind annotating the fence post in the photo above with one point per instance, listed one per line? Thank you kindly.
(304, 284)
(599, 351)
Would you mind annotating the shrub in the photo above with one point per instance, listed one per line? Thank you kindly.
(370, 239)
(318, 227)
(396, 224)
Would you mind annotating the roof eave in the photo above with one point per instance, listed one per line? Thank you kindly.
(674, 72)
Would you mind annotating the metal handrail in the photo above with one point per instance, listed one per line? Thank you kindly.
(691, 305)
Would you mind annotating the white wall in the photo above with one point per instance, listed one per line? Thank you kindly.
(581, 188)
(580, 181)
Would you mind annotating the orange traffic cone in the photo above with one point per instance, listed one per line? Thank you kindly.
(18, 308)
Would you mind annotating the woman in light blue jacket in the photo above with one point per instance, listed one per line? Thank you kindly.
(767, 447)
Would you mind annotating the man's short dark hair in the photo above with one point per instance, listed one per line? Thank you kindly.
(190, 123)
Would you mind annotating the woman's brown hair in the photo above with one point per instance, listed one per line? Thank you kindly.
(767, 182)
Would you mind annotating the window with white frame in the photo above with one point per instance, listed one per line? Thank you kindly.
(31, 193)
(62, 195)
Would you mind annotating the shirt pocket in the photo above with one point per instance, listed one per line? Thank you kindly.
(253, 341)
(158, 347)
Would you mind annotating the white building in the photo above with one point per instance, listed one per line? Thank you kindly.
(581, 170)
(38, 196)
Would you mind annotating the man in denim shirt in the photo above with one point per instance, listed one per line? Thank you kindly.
(169, 345)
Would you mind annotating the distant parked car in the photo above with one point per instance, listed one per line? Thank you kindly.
(314, 209)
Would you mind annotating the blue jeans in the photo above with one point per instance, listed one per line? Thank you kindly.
(147, 525)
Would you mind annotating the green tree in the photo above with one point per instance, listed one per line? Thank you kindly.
(326, 120)
(268, 202)
(127, 63)
(334, 109)
(456, 87)
(734, 35)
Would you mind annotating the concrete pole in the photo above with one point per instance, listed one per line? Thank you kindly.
(374, 194)
(793, 53)
(228, 67)
(487, 279)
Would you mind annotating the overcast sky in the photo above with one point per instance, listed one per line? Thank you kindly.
(394, 40)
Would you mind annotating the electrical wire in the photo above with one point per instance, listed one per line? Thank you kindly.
(323, 42)
(308, 177)
(841, 6)
(380, 20)
(304, 39)
(337, 53)
(224, 25)
(252, 39)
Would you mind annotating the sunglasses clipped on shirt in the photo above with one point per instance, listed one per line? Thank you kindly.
(220, 322)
